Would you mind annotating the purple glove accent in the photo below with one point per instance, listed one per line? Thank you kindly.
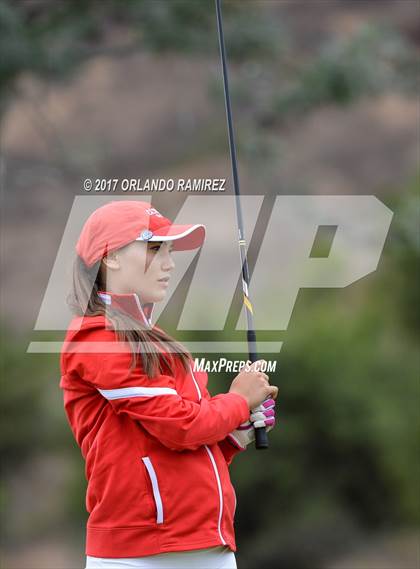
(262, 416)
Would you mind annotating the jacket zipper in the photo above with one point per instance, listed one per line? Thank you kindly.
(155, 487)
(216, 472)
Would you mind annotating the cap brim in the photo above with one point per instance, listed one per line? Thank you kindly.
(185, 237)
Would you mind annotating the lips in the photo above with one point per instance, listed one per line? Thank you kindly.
(164, 280)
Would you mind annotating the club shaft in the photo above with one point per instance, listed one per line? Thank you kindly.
(261, 439)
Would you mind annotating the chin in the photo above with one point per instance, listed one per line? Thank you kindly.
(158, 297)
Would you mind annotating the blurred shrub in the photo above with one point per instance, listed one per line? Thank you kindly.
(270, 92)
(180, 25)
(373, 60)
(44, 38)
(405, 247)
(26, 420)
(52, 39)
(252, 34)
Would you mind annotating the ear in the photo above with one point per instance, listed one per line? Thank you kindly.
(111, 261)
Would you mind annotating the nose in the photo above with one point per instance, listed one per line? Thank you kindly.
(168, 263)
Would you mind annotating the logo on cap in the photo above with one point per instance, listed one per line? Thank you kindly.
(153, 211)
(146, 235)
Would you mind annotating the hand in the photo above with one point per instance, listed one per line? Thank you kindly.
(253, 385)
(262, 416)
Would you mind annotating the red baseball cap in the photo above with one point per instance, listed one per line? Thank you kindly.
(117, 224)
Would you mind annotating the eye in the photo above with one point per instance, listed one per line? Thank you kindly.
(157, 245)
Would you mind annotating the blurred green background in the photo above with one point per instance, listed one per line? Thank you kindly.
(325, 102)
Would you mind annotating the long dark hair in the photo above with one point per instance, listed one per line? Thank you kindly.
(152, 345)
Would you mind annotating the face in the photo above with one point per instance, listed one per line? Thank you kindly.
(142, 268)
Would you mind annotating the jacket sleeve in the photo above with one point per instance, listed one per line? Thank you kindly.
(176, 422)
(229, 450)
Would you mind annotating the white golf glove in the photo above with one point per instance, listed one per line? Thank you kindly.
(262, 416)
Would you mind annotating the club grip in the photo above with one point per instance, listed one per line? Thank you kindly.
(261, 438)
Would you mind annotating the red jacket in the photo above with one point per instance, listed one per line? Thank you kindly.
(155, 449)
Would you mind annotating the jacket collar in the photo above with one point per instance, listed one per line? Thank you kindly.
(130, 304)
